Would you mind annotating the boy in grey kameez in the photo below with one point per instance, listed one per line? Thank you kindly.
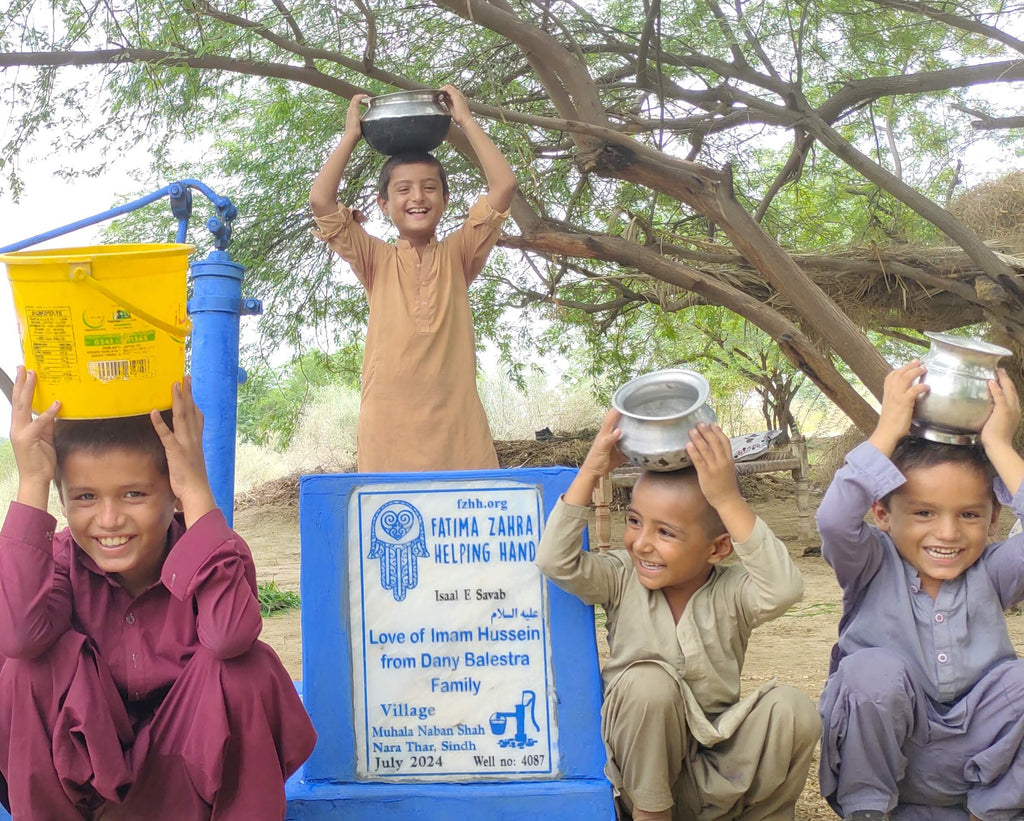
(923, 710)
(681, 743)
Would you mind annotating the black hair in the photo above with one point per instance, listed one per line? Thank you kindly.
(135, 433)
(712, 522)
(913, 452)
(410, 158)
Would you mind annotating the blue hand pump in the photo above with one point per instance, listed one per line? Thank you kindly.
(215, 308)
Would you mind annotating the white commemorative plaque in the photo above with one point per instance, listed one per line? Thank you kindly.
(450, 644)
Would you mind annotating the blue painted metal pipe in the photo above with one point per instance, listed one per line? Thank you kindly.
(176, 191)
(215, 307)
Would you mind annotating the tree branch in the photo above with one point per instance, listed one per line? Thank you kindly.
(799, 349)
(755, 45)
(294, 26)
(790, 172)
(982, 255)
(859, 92)
(986, 122)
(731, 39)
(165, 59)
(954, 21)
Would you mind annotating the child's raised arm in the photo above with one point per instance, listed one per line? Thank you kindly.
(899, 394)
(603, 457)
(501, 180)
(711, 452)
(186, 465)
(32, 442)
(998, 432)
(323, 196)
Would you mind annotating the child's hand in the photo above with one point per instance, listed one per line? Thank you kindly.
(1002, 425)
(899, 396)
(711, 453)
(186, 465)
(604, 454)
(998, 432)
(354, 116)
(32, 442)
(457, 105)
(602, 458)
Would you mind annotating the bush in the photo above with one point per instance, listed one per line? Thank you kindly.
(275, 600)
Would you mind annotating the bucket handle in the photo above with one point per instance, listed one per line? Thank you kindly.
(80, 272)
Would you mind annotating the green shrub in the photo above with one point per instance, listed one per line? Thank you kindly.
(275, 600)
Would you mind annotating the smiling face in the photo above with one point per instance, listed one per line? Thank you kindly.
(668, 537)
(415, 201)
(940, 520)
(119, 506)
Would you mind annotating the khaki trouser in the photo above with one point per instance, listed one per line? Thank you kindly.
(654, 763)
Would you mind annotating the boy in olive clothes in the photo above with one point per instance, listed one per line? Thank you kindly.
(681, 742)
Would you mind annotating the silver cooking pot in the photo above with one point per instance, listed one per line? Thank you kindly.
(957, 404)
(659, 410)
(406, 121)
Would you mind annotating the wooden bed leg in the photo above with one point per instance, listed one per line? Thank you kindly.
(801, 478)
(602, 498)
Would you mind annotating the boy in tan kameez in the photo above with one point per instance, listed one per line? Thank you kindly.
(681, 743)
(419, 408)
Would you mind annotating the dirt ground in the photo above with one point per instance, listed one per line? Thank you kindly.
(794, 649)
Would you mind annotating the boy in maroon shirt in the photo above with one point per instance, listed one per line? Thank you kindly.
(134, 685)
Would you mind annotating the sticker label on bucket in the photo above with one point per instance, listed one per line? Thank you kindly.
(134, 338)
(50, 332)
(112, 369)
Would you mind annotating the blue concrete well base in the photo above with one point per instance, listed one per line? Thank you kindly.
(564, 800)
(337, 515)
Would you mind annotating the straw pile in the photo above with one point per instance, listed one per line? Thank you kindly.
(832, 456)
(283, 492)
(561, 450)
(527, 453)
(995, 211)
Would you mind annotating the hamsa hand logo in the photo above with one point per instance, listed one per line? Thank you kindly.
(397, 539)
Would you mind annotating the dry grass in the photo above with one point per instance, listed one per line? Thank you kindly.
(568, 451)
(995, 211)
(562, 450)
(280, 492)
(830, 457)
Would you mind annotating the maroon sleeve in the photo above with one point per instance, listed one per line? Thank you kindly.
(212, 564)
(35, 588)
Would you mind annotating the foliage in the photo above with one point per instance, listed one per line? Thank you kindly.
(517, 409)
(736, 352)
(275, 600)
(271, 400)
(834, 124)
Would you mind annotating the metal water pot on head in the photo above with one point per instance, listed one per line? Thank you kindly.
(957, 403)
(406, 121)
(659, 410)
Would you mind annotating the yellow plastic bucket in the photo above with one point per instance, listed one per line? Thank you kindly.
(104, 326)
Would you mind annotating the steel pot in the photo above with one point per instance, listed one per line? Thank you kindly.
(957, 404)
(659, 410)
(406, 121)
